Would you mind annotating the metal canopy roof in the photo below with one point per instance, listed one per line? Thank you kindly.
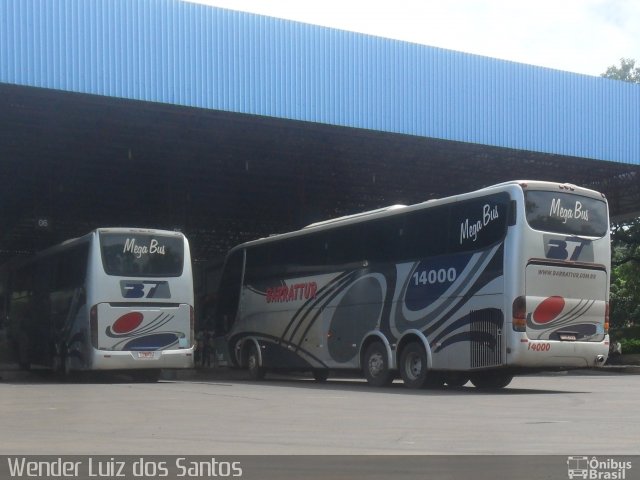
(175, 52)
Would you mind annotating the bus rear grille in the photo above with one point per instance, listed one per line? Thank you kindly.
(486, 338)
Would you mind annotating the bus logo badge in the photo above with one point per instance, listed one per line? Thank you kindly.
(569, 248)
(145, 289)
(578, 467)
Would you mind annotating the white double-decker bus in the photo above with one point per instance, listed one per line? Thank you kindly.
(114, 299)
(509, 279)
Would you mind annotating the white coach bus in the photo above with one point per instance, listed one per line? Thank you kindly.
(114, 299)
(509, 279)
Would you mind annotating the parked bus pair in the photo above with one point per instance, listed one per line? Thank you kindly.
(481, 286)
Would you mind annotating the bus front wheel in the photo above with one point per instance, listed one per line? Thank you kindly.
(376, 366)
(256, 371)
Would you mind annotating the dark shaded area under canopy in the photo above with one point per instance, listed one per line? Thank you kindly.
(73, 162)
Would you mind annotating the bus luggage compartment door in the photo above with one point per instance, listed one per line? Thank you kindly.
(565, 303)
(143, 327)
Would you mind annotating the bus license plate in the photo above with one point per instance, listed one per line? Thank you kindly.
(145, 355)
(567, 337)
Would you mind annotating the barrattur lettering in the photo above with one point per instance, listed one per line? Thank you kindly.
(299, 291)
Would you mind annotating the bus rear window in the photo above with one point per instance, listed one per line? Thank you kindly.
(566, 213)
(142, 255)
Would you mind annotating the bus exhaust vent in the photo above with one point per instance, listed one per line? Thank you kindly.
(486, 338)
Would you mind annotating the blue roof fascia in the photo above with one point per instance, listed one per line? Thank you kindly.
(189, 54)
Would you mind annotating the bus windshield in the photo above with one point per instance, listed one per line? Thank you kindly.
(142, 254)
(566, 213)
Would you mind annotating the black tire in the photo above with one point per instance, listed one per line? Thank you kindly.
(490, 380)
(375, 366)
(320, 376)
(256, 371)
(456, 379)
(413, 367)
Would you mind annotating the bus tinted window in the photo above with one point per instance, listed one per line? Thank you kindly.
(142, 255)
(424, 233)
(566, 213)
(381, 240)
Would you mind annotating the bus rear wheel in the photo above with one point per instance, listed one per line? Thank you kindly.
(376, 366)
(413, 366)
(490, 380)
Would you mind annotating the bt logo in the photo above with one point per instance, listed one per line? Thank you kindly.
(570, 248)
(145, 289)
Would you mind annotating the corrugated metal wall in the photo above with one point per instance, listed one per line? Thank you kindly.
(189, 54)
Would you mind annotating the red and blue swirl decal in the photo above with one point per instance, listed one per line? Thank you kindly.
(135, 334)
(556, 313)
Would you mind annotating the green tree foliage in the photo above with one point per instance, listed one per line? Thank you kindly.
(625, 245)
(625, 273)
(627, 71)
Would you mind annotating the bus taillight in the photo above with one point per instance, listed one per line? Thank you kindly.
(93, 319)
(606, 317)
(519, 314)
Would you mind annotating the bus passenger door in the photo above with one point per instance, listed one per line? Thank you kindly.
(228, 308)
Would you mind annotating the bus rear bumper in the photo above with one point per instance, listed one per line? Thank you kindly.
(557, 354)
(142, 360)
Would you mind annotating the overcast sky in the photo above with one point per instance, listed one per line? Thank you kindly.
(583, 36)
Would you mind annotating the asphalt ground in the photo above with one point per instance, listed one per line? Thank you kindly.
(221, 412)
